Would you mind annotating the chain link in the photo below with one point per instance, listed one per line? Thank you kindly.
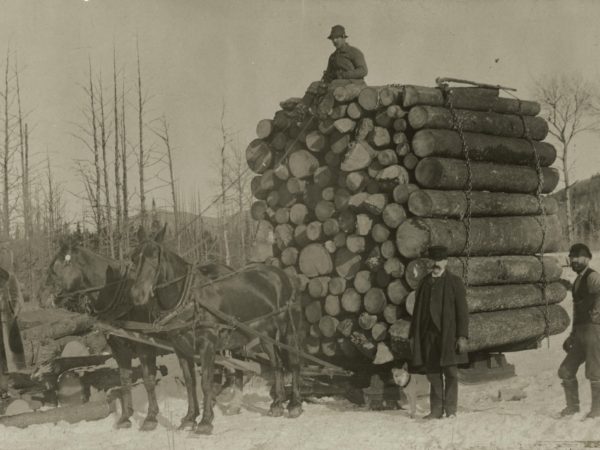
(541, 218)
(457, 125)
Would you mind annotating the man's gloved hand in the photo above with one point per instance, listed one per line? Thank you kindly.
(568, 344)
(461, 344)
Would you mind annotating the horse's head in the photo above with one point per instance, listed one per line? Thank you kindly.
(74, 268)
(66, 269)
(149, 268)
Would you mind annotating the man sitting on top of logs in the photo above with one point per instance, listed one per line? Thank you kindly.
(583, 344)
(346, 65)
(346, 62)
(438, 333)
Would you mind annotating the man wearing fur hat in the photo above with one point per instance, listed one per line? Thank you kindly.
(583, 344)
(439, 332)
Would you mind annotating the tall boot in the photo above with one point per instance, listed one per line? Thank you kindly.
(595, 411)
(572, 396)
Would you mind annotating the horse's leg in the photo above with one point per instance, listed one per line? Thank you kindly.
(208, 369)
(122, 354)
(293, 337)
(148, 361)
(189, 376)
(276, 409)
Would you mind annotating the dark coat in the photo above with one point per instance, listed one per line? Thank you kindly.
(454, 321)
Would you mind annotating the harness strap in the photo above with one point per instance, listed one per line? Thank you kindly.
(249, 330)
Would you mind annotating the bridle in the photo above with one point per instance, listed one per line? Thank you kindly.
(155, 282)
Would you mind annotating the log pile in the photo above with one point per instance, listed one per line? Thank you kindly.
(359, 184)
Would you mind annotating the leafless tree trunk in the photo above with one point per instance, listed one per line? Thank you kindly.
(24, 152)
(224, 170)
(103, 144)
(98, 214)
(239, 179)
(119, 230)
(163, 134)
(6, 154)
(124, 168)
(51, 201)
(142, 157)
(567, 102)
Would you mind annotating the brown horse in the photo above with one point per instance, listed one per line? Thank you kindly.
(261, 296)
(76, 268)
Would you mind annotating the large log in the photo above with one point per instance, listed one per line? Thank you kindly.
(494, 329)
(482, 147)
(478, 122)
(302, 164)
(264, 128)
(453, 204)
(259, 156)
(315, 260)
(374, 301)
(351, 301)
(490, 270)
(49, 324)
(478, 99)
(452, 174)
(397, 291)
(95, 410)
(488, 236)
(358, 157)
(512, 296)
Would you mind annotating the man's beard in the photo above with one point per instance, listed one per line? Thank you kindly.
(578, 267)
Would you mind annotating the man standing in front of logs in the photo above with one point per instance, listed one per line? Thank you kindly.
(346, 62)
(439, 332)
(583, 344)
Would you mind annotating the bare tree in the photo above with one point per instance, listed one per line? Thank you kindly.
(24, 152)
(117, 160)
(224, 166)
(163, 134)
(568, 104)
(103, 144)
(96, 151)
(6, 152)
(125, 186)
(142, 156)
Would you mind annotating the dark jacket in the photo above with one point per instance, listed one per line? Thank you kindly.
(586, 298)
(454, 320)
(346, 62)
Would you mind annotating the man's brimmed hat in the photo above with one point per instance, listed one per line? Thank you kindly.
(580, 250)
(337, 31)
(438, 253)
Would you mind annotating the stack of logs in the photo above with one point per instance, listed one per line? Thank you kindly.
(359, 184)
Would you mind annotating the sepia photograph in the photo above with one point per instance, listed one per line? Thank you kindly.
(299, 224)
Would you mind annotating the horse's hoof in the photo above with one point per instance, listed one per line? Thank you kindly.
(295, 412)
(148, 425)
(123, 424)
(204, 428)
(232, 411)
(276, 411)
(187, 425)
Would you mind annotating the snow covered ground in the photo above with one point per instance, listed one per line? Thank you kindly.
(482, 422)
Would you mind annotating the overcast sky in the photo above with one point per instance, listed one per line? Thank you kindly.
(249, 55)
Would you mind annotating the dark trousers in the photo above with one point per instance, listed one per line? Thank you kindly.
(443, 392)
(585, 348)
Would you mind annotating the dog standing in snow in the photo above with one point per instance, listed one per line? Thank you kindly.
(413, 386)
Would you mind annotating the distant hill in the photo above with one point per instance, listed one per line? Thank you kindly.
(585, 205)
